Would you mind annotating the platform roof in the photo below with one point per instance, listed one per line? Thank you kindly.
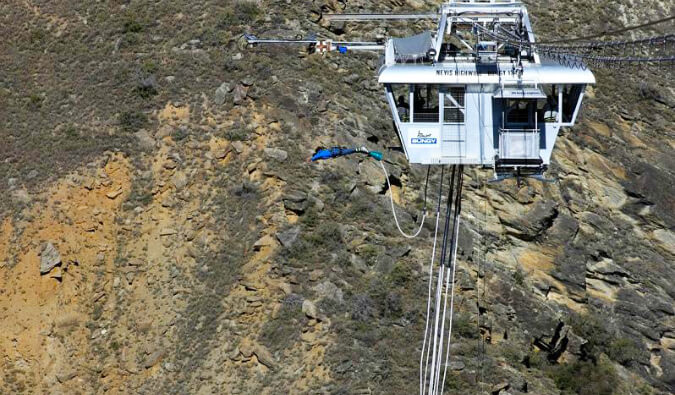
(468, 73)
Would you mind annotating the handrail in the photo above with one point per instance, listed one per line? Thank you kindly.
(518, 130)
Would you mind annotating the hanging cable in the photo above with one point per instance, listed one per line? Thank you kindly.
(481, 338)
(439, 285)
(393, 208)
(431, 278)
(438, 349)
(455, 236)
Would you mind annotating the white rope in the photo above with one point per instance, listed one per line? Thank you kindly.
(426, 325)
(393, 209)
(437, 374)
(452, 299)
(434, 357)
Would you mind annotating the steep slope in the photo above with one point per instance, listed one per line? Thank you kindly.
(200, 253)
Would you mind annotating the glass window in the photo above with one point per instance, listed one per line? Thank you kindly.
(453, 106)
(402, 97)
(425, 106)
(518, 112)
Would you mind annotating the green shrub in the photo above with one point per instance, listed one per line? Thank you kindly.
(585, 378)
(131, 121)
(464, 326)
(70, 131)
(149, 67)
(327, 237)
(35, 100)
(401, 274)
(284, 331)
(236, 135)
(623, 351)
(243, 13)
(131, 23)
(593, 329)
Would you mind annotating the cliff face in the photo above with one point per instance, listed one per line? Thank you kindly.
(154, 170)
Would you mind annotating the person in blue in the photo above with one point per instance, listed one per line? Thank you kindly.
(322, 153)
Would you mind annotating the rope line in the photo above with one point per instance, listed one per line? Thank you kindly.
(481, 338)
(439, 288)
(436, 351)
(431, 279)
(576, 56)
(458, 210)
(393, 208)
(612, 32)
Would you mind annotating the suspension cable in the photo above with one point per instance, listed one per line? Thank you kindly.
(453, 263)
(431, 278)
(437, 350)
(611, 32)
(439, 285)
(481, 338)
(569, 56)
(393, 207)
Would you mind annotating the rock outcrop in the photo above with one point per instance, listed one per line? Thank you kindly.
(184, 244)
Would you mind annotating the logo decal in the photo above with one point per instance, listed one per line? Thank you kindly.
(423, 140)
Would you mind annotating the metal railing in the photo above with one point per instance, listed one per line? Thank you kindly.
(519, 143)
(425, 117)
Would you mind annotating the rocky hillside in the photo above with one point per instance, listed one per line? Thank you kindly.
(162, 232)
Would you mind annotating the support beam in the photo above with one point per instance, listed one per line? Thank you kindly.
(377, 17)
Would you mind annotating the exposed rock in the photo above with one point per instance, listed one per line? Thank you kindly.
(221, 93)
(264, 356)
(114, 194)
(329, 290)
(21, 195)
(49, 258)
(145, 140)
(170, 164)
(456, 365)
(167, 232)
(276, 154)
(238, 146)
(296, 201)
(288, 237)
(221, 152)
(315, 274)
(164, 131)
(64, 376)
(264, 241)
(498, 388)
(240, 94)
(152, 359)
(371, 174)
(179, 180)
(310, 309)
(534, 222)
(666, 238)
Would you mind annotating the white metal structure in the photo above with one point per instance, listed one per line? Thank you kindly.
(473, 92)
(477, 102)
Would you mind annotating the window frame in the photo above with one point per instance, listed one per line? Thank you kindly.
(414, 109)
(456, 104)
